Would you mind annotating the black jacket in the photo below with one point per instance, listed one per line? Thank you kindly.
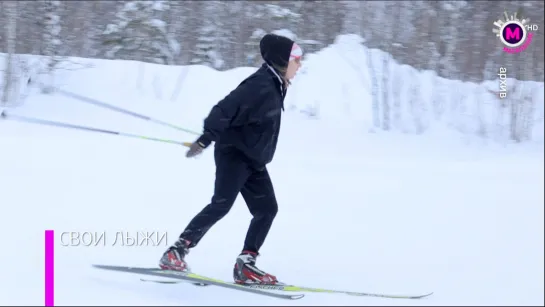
(248, 118)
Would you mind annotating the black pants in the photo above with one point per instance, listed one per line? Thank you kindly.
(234, 175)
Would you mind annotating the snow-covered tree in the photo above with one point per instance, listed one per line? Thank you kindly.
(252, 52)
(177, 18)
(281, 19)
(285, 21)
(206, 51)
(212, 35)
(451, 27)
(138, 34)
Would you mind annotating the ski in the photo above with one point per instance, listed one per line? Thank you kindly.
(195, 278)
(173, 282)
(292, 288)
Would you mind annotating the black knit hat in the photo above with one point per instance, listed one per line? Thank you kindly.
(276, 49)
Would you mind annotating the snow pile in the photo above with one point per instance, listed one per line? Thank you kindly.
(344, 85)
(336, 85)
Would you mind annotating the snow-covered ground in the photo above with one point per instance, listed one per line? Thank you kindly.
(383, 212)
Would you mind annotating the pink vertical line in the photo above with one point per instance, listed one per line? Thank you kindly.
(49, 267)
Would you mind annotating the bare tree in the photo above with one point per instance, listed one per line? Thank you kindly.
(176, 23)
(387, 33)
(52, 41)
(11, 36)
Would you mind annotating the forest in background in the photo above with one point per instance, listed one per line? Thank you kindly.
(452, 38)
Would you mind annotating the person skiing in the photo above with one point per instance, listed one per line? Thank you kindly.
(244, 126)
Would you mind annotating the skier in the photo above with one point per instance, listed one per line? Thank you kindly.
(244, 126)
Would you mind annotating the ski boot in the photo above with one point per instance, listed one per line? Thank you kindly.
(173, 258)
(245, 272)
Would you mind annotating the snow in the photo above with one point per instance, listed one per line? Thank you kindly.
(285, 32)
(280, 12)
(394, 212)
(159, 24)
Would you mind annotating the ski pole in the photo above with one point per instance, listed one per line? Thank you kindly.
(5, 115)
(121, 110)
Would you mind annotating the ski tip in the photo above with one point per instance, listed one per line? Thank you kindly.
(427, 294)
(104, 266)
(125, 268)
(393, 296)
(297, 296)
(420, 296)
(114, 267)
